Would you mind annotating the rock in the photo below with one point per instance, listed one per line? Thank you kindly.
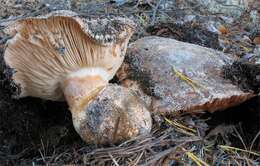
(57, 4)
(232, 8)
(253, 57)
(255, 17)
(179, 77)
(257, 54)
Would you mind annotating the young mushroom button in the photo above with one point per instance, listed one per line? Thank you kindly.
(64, 56)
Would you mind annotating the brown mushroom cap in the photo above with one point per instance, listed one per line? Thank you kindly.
(116, 114)
(176, 77)
(46, 49)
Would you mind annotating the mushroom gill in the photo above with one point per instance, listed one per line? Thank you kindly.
(43, 52)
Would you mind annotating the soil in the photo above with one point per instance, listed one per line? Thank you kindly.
(190, 32)
(246, 116)
(26, 125)
(245, 74)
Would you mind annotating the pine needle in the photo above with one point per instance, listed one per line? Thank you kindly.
(181, 128)
(245, 48)
(195, 159)
(189, 81)
(234, 150)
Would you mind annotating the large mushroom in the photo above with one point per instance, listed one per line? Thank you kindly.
(175, 77)
(67, 56)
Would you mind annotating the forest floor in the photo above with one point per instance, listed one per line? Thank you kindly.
(38, 132)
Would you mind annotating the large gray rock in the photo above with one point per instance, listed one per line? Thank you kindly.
(173, 76)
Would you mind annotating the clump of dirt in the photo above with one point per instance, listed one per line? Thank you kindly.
(137, 74)
(244, 74)
(190, 32)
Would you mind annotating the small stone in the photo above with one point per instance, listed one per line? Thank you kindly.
(58, 4)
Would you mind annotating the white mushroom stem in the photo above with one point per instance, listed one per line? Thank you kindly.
(82, 86)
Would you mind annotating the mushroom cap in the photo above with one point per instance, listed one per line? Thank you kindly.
(115, 115)
(44, 50)
(179, 77)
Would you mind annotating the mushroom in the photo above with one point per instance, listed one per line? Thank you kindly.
(65, 56)
(175, 77)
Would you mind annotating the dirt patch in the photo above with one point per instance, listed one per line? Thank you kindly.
(243, 118)
(190, 32)
(28, 124)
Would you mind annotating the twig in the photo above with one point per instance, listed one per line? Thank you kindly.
(241, 139)
(138, 158)
(113, 159)
(155, 158)
(155, 11)
(16, 156)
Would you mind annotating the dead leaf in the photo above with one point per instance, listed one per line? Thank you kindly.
(256, 40)
(223, 30)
